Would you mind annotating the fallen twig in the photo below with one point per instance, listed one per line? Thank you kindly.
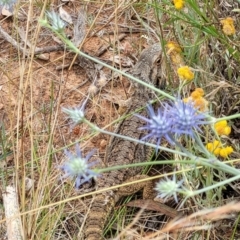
(13, 220)
(37, 51)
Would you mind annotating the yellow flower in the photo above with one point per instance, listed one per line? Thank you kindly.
(176, 58)
(214, 147)
(185, 73)
(198, 92)
(201, 104)
(174, 51)
(217, 149)
(228, 26)
(178, 4)
(222, 128)
(224, 152)
(195, 95)
(173, 46)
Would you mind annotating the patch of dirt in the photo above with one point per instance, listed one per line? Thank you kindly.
(35, 131)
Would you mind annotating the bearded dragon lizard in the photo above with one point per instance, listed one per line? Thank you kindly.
(122, 152)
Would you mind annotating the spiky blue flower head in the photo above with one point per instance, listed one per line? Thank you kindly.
(56, 22)
(7, 4)
(159, 125)
(169, 187)
(78, 167)
(187, 118)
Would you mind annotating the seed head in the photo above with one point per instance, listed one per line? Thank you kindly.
(92, 89)
(76, 114)
(56, 22)
(169, 187)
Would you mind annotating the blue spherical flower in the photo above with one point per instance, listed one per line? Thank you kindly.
(186, 118)
(78, 167)
(159, 125)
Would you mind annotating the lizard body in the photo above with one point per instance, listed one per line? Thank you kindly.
(121, 151)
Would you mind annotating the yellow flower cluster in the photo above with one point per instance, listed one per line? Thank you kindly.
(197, 98)
(222, 128)
(185, 73)
(174, 51)
(228, 26)
(178, 4)
(173, 47)
(217, 149)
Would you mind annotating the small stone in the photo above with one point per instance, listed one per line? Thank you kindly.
(103, 143)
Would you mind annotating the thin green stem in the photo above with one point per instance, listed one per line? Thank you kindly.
(229, 117)
(214, 163)
(219, 184)
(76, 50)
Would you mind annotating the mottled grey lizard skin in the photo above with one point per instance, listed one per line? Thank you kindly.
(121, 152)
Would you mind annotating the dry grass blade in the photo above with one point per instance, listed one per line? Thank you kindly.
(34, 132)
(201, 220)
